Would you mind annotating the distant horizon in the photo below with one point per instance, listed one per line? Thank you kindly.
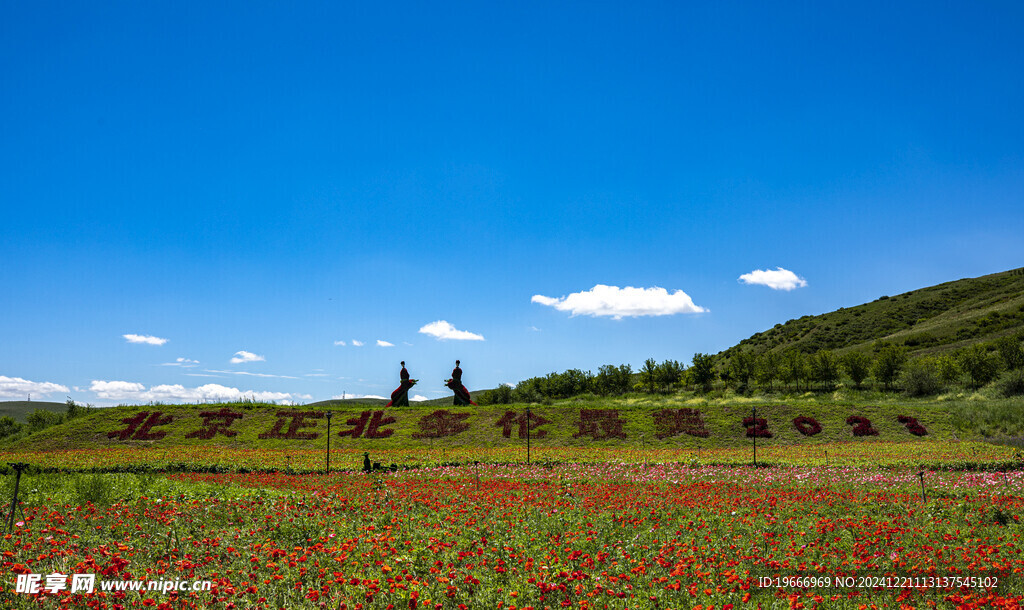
(209, 202)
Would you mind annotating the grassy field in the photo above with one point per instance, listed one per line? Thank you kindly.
(653, 515)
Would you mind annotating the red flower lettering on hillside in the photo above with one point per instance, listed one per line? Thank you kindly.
(670, 422)
(298, 421)
(375, 419)
(214, 423)
(808, 426)
(756, 427)
(441, 423)
(911, 423)
(861, 426)
(139, 427)
(600, 424)
(512, 419)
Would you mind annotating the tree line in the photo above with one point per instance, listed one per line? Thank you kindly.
(885, 366)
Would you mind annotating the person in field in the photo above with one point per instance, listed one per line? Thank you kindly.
(455, 384)
(400, 397)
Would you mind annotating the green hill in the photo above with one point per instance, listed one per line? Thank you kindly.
(19, 409)
(931, 320)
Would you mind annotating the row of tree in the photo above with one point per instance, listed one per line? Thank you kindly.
(888, 365)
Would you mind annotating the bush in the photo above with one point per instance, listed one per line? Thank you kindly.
(1012, 383)
(8, 426)
(40, 420)
(501, 395)
(978, 364)
(921, 378)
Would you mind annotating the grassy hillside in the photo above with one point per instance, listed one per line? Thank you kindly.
(926, 321)
(635, 421)
(19, 409)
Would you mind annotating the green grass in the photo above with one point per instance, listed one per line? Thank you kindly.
(19, 409)
(929, 320)
(960, 416)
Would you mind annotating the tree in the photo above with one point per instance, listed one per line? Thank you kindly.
(979, 365)
(669, 373)
(741, 368)
(858, 366)
(8, 426)
(702, 370)
(40, 419)
(1011, 353)
(948, 368)
(613, 380)
(766, 369)
(888, 364)
(649, 375)
(825, 368)
(794, 367)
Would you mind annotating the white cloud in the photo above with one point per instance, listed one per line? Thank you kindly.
(185, 362)
(339, 343)
(316, 375)
(357, 343)
(136, 392)
(418, 398)
(780, 279)
(244, 356)
(442, 330)
(247, 373)
(535, 329)
(148, 339)
(617, 302)
(18, 388)
(384, 344)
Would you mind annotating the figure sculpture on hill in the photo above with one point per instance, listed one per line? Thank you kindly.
(400, 397)
(462, 397)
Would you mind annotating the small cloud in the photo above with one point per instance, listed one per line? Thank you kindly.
(339, 343)
(384, 344)
(418, 398)
(248, 374)
(18, 388)
(202, 375)
(244, 356)
(779, 279)
(184, 362)
(316, 375)
(357, 343)
(147, 339)
(535, 329)
(618, 302)
(406, 343)
(442, 330)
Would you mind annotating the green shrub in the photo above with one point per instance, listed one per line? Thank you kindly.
(921, 378)
(40, 420)
(501, 395)
(8, 426)
(1012, 383)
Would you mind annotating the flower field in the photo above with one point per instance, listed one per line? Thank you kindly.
(579, 528)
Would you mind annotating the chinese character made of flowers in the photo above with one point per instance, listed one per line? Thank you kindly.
(140, 426)
(600, 424)
(441, 423)
(214, 423)
(300, 419)
(524, 423)
(369, 422)
(670, 422)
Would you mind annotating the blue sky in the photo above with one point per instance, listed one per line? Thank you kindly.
(260, 182)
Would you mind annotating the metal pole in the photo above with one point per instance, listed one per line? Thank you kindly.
(329, 414)
(527, 436)
(18, 467)
(754, 417)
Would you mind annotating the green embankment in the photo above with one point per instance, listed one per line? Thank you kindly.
(634, 421)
